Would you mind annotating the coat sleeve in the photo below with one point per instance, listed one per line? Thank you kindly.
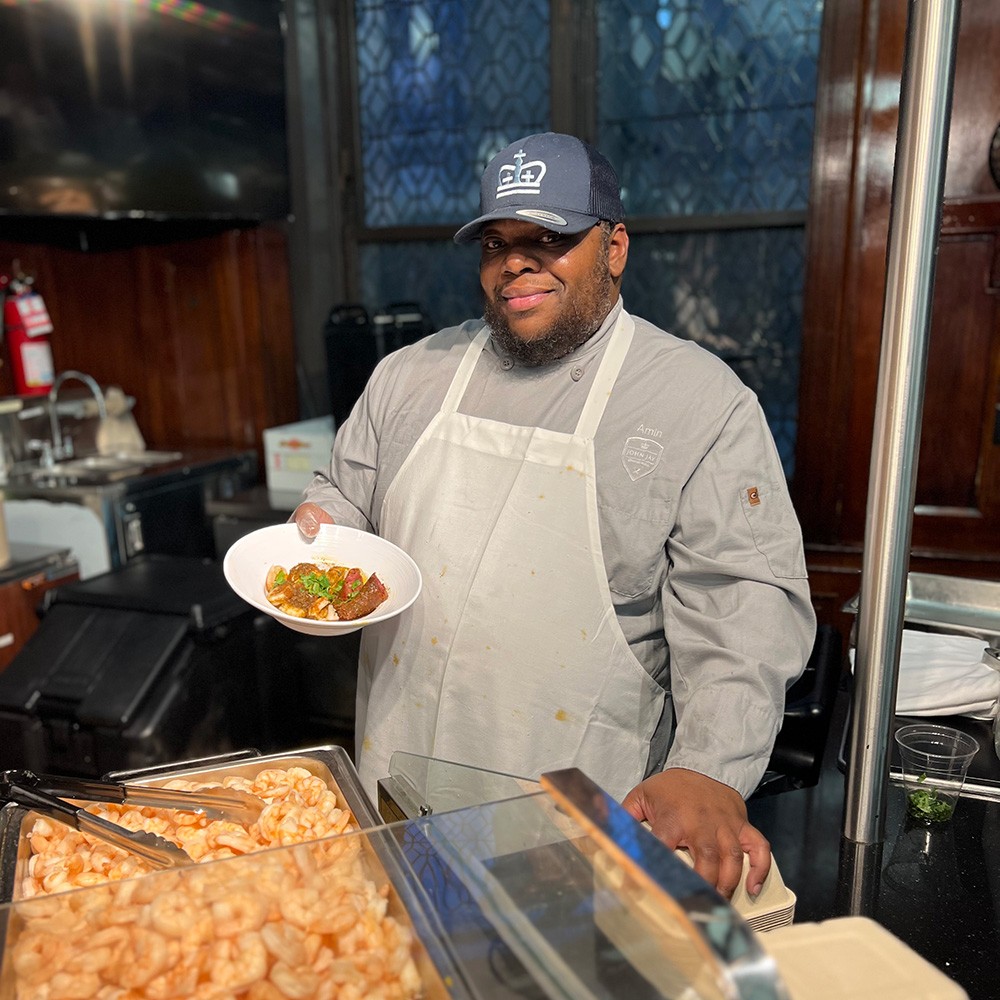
(346, 488)
(737, 612)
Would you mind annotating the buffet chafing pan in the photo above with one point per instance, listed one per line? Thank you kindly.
(329, 763)
(556, 893)
(380, 856)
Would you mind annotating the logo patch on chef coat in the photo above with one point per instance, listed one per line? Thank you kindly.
(640, 456)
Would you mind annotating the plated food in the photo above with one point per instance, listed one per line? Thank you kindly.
(323, 592)
(253, 557)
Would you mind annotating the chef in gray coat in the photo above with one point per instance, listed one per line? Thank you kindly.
(613, 572)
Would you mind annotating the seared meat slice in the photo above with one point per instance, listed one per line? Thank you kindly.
(367, 599)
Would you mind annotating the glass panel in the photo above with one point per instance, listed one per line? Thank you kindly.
(442, 278)
(738, 293)
(706, 106)
(434, 84)
(534, 896)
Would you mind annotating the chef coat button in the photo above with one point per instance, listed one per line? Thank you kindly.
(506, 364)
(576, 374)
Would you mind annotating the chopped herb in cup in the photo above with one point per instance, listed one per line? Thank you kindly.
(924, 804)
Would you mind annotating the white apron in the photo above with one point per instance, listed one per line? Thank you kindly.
(512, 658)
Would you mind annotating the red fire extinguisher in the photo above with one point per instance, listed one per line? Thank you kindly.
(26, 329)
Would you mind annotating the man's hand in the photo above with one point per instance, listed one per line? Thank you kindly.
(687, 809)
(309, 516)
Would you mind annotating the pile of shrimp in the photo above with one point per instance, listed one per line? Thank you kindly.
(304, 922)
(299, 806)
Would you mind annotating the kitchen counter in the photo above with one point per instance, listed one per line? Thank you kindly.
(29, 561)
(936, 889)
(32, 571)
(179, 466)
(110, 515)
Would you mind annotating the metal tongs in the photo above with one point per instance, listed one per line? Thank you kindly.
(48, 794)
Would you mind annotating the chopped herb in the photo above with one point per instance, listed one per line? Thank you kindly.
(925, 805)
(318, 584)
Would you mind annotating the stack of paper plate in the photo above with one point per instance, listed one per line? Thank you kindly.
(774, 905)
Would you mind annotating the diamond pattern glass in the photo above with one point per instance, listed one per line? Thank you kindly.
(738, 293)
(706, 106)
(435, 81)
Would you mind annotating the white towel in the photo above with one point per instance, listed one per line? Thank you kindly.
(944, 675)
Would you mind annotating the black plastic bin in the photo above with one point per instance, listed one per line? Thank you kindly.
(144, 665)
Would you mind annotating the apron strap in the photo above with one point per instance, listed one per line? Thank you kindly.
(600, 391)
(607, 375)
(465, 368)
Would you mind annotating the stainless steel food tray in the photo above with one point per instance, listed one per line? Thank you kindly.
(329, 763)
(951, 604)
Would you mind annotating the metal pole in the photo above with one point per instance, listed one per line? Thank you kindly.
(915, 218)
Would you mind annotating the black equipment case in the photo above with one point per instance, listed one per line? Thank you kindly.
(149, 663)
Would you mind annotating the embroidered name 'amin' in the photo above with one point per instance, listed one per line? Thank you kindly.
(648, 431)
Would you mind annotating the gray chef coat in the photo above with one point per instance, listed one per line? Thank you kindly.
(701, 545)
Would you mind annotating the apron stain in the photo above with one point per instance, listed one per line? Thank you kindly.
(444, 569)
(434, 640)
(561, 715)
(395, 659)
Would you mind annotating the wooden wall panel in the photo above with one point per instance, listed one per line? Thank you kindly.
(198, 330)
(958, 492)
(958, 399)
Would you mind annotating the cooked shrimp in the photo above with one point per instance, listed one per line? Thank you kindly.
(294, 983)
(238, 913)
(236, 963)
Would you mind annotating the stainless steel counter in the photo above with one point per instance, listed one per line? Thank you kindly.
(158, 508)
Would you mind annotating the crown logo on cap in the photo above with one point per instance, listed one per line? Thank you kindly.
(520, 177)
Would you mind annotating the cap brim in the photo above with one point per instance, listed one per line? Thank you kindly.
(557, 221)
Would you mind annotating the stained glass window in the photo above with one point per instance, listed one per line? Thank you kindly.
(442, 86)
(704, 106)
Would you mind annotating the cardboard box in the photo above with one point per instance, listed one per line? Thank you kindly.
(293, 452)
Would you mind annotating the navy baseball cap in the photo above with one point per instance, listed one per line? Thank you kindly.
(556, 181)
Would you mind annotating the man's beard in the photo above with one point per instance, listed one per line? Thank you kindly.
(583, 317)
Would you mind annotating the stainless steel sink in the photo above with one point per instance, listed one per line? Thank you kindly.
(103, 467)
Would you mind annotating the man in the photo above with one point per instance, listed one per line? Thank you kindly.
(602, 525)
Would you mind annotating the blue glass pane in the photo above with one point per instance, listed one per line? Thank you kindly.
(738, 293)
(442, 278)
(435, 81)
(706, 106)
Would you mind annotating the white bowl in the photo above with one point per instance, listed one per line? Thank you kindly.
(248, 560)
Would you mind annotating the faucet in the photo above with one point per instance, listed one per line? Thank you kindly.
(59, 448)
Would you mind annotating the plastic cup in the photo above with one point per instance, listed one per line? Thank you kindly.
(935, 761)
